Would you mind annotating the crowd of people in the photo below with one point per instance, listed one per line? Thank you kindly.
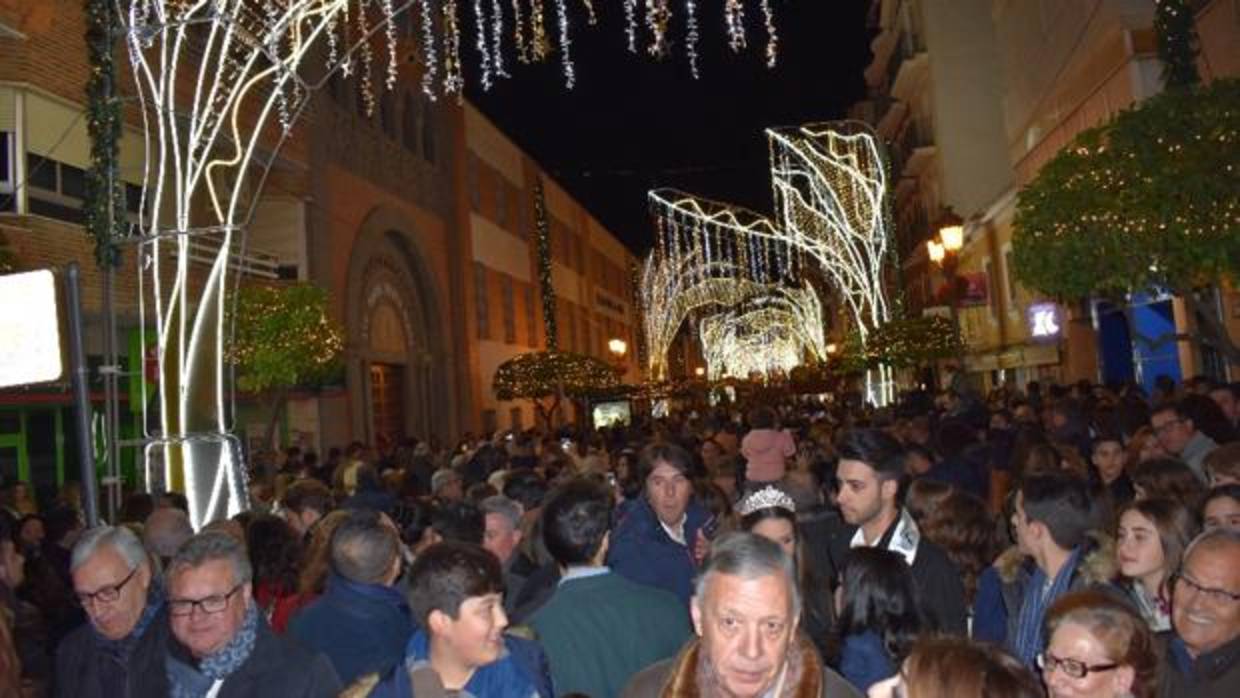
(1080, 540)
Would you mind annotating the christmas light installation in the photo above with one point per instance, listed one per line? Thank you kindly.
(219, 86)
(710, 258)
(830, 183)
(831, 210)
(769, 334)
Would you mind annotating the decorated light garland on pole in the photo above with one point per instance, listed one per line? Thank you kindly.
(104, 202)
(546, 283)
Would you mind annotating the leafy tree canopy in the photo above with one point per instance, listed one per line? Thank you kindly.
(1148, 200)
(284, 338)
(903, 342)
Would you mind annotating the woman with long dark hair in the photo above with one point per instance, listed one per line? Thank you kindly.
(878, 616)
(771, 513)
(275, 555)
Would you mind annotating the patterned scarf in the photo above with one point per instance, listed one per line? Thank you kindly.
(1155, 610)
(1037, 598)
(904, 540)
(188, 682)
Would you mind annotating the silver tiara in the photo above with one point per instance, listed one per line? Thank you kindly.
(766, 498)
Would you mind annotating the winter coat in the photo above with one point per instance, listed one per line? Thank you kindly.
(86, 669)
(1212, 675)
(1000, 594)
(598, 631)
(277, 666)
(678, 677)
(642, 550)
(361, 628)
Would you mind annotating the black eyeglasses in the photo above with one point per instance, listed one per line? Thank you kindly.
(1073, 668)
(107, 594)
(1217, 596)
(208, 605)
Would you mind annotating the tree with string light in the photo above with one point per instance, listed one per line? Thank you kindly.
(546, 378)
(284, 339)
(1148, 201)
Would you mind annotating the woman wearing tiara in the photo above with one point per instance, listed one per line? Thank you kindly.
(771, 513)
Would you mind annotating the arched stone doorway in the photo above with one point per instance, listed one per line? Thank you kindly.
(395, 337)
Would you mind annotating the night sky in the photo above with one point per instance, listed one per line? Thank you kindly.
(633, 123)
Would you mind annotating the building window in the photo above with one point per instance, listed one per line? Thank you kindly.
(531, 317)
(474, 182)
(586, 345)
(501, 201)
(55, 189)
(428, 137)
(571, 337)
(510, 311)
(8, 202)
(409, 124)
(480, 300)
(1009, 282)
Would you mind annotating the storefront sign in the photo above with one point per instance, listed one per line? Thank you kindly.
(29, 329)
(1045, 323)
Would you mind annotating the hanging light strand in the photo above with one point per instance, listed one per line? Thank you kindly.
(429, 59)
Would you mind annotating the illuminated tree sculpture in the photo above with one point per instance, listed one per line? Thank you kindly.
(219, 86)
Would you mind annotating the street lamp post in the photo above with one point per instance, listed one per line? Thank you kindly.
(945, 252)
(618, 348)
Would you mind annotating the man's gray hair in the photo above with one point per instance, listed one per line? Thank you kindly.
(119, 538)
(1214, 538)
(209, 546)
(749, 556)
(508, 508)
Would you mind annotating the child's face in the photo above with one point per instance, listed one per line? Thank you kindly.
(477, 633)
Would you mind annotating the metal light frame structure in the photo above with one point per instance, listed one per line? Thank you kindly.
(219, 85)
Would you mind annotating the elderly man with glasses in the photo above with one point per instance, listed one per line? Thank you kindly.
(221, 646)
(1203, 657)
(120, 652)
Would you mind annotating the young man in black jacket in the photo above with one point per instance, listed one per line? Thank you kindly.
(871, 475)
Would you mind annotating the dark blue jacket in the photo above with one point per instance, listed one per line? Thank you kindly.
(864, 661)
(642, 551)
(523, 665)
(362, 628)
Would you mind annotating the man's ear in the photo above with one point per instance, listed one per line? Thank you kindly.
(695, 612)
(889, 488)
(437, 622)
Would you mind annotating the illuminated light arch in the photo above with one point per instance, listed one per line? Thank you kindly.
(831, 210)
(830, 183)
(771, 333)
(708, 258)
